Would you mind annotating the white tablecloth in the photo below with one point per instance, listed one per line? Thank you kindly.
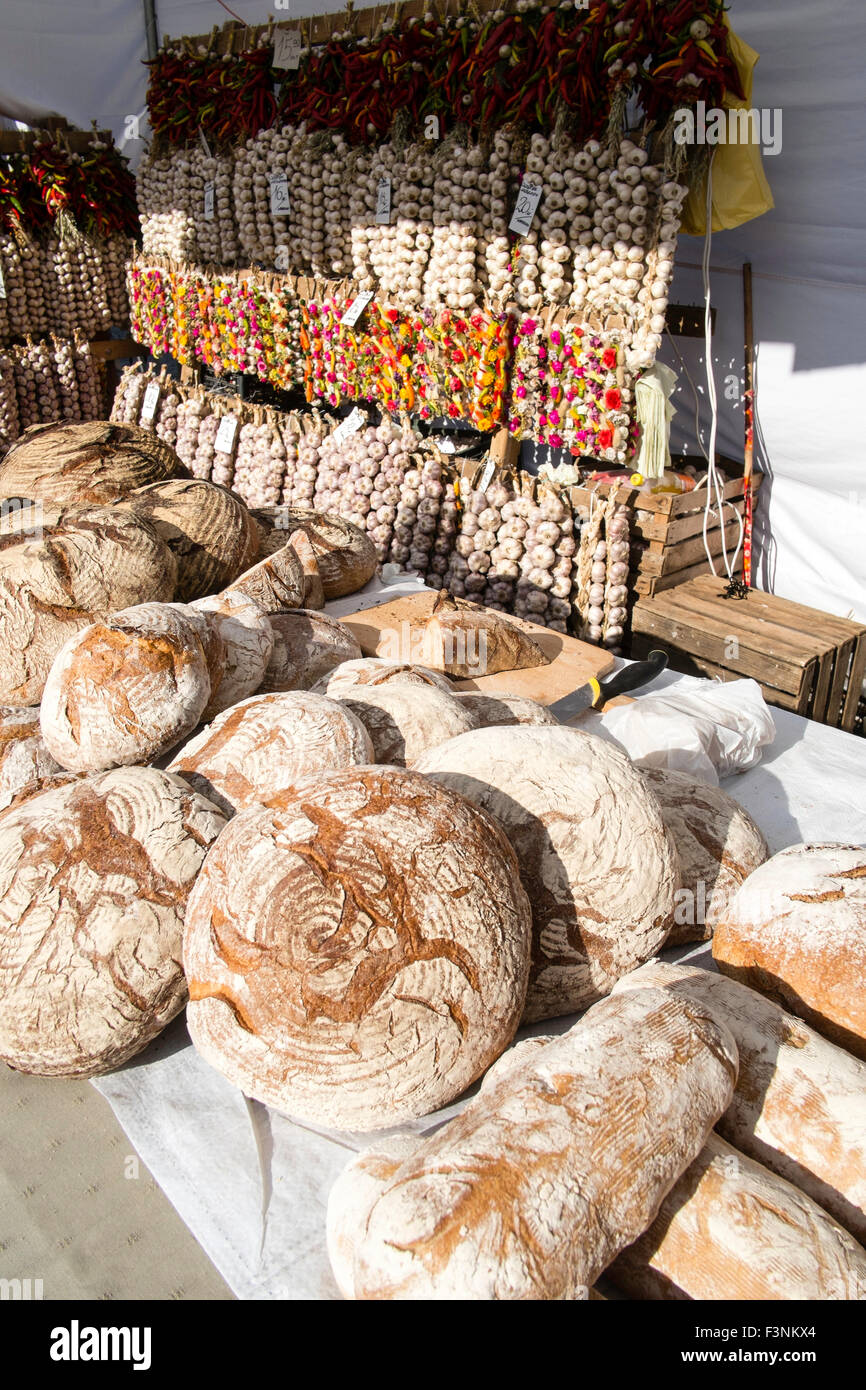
(253, 1186)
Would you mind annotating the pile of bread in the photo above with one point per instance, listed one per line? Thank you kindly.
(364, 880)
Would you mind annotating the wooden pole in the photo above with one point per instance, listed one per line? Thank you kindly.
(748, 419)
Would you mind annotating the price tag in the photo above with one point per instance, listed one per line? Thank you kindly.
(356, 308)
(205, 146)
(281, 261)
(224, 442)
(2, 284)
(151, 401)
(487, 476)
(279, 195)
(287, 49)
(208, 202)
(526, 207)
(383, 201)
(350, 425)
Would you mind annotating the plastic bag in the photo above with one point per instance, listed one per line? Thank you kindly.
(708, 732)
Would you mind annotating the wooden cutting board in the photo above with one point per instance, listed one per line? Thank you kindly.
(572, 663)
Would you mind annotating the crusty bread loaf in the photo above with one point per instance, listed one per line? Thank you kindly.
(356, 1191)
(797, 931)
(126, 689)
(406, 721)
(275, 583)
(466, 641)
(23, 754)
(718, 844)
(212, 536)
(264, 747)
(595, 859)
(87, 562)
(307, 647)
(537, 1185)
(374, 670)
(248, 638)
(94, 878)
(800, 1103)
(344, 553)
(357, 957)
(76, 464)
(314, 593)
(504, 709)
(731, 1229)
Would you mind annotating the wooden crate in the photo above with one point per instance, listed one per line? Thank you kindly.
(804, 660)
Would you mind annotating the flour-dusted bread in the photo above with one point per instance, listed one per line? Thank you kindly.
(345, 554)
(800, 1103)
(212, 536)
(248, 638)
(731, 1229)
(23, 754)
(406, 721)
(355, 1192)
(718, 844)
(275, 583)
(466, 641)
(797, 931)
(595, 859)
(263, 748)
(537, 1185)
(97, 462)
(358, 956)
(126, 689)
(375, 670)
(314, 592)
(504, 709)
(94, 879)
(307, 648)
(87, 562)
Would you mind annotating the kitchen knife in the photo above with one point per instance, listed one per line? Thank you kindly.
(597, 692)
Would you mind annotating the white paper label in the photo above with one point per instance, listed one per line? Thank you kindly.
(350, 425)
(151, 401)
(279, 195)
(208, 202)
(2, 284)
(287, 49)
(487, 476)
(281, 261)
(205, 146)
(445, 446)
(383, 201)
(225, 439)
(526, 207)
(356, 308)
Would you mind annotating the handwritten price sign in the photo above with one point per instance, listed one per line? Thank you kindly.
(526, 207)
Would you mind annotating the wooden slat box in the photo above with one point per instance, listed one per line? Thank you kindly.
(804, 660)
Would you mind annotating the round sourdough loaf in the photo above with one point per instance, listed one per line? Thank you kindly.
(72, 464)
(718, 844)
(23, 755)
(208, 529)
(126, 689)
(314, 592)
(307, 647)
(549, 1172)
(248, 639)
(87, 562)
(406, 721)
(595, 859)
(275, 583)
(501, 708)
(797, 931)
(357, 957)
(94, 878)
(345, 554)
(262, 748)
(375, 670)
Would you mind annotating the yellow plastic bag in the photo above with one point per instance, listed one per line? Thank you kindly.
(740, 187)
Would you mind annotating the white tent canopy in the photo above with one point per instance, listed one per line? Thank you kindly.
(85, 60)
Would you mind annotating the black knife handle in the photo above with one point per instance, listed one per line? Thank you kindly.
(631, 676)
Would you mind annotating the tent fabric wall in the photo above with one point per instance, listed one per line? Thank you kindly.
(85, 60)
